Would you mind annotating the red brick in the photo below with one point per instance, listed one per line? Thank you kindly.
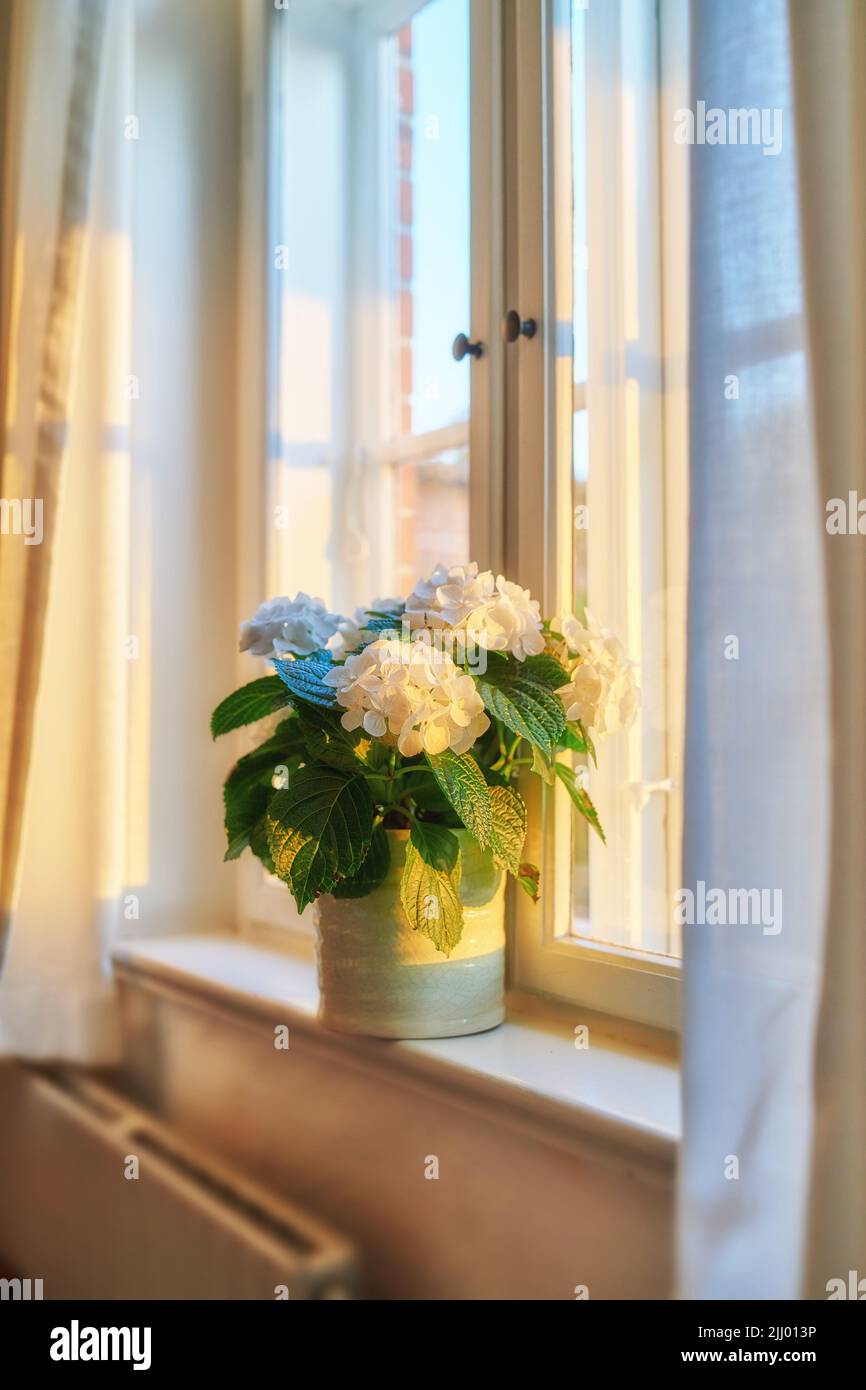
(406, 202)
(406, 315)
(405, 371)
(404, 41)
(405, 145)
(407, 489)
(405, 418)
(407, 91)
(405, 256)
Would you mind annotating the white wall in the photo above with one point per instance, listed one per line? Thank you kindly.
(522, 1208)
(186, 189)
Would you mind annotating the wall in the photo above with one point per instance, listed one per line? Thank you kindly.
(521, 1209)
(186, 229)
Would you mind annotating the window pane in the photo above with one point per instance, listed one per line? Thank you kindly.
(431, 266)
(606, 91)
(571, 176)
(580, 588)
(368, 478)
(432, 514)
(309, 437)
(578, 157)
(430, 292)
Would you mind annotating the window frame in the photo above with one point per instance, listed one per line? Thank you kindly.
(636, 983)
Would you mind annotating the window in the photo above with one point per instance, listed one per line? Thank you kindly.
(432, 163)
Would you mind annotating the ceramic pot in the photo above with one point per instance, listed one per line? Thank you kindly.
(379, 977)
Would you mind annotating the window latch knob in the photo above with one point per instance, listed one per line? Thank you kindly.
(461, 347)
(514, 327)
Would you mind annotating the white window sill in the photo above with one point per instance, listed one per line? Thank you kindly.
(623, 1088)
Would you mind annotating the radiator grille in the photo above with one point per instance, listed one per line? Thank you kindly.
(188, 1226)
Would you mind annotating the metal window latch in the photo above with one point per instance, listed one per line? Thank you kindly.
(642, 791)
(514, 327)
(461, 347)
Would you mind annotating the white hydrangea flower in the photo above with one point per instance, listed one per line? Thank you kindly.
(353, 632)
(385, 605)
(411, 695)
(509, 622)
(602, 692)
(349, 636)
(448, 596)
(495, 614)
(284, 626)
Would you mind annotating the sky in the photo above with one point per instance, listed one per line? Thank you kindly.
(440, 59)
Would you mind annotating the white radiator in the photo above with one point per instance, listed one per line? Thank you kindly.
(187, 1227)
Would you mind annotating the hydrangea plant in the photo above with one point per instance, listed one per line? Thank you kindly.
(418, 714)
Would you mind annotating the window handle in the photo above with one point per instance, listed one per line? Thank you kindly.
(461, 347)
(642, 791)
(514, 327)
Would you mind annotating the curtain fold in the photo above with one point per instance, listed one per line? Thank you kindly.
(48, 243)
(64, 624)
(757, 730)
(829, 72)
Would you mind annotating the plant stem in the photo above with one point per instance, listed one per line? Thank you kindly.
(399, 809)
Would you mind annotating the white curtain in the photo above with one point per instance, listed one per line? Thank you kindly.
(55, 995)
(758, 732)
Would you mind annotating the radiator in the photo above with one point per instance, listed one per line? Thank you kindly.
(186, 1227)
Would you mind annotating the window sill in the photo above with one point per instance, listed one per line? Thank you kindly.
(622, 1090)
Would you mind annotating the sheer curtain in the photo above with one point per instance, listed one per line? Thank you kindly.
(758, 736)
(63, 622)
(773, 1185)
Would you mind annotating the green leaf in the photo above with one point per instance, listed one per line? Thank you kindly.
(245, 803)
(245, 706)
(286, 738)
(493, 778)
(380, 623)
(509, 827)
(429, 797)
(372, 872)
(580, 797)
(529, 878)
(246, 793)
(260, 846)
(284, 747)
(542, 767)
(545, 668)
(249, 785)
(461, 780)
(437, 846)
(525, 705)
(431, 900)
(575, 737)
(304, 678)
(319, 830)
(237, 846)
(328, 742)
